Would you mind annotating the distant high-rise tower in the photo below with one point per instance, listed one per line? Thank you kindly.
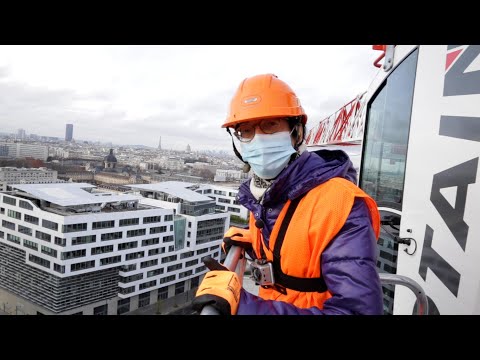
(160, 143)
(69, 132)
(21, 134)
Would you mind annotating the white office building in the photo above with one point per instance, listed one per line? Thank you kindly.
(19, 150)
(71, 249)
(13, 175)
(225, 199)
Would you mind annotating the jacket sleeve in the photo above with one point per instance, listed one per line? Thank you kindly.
(349, 270)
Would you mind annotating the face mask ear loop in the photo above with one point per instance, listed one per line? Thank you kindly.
(246, 167)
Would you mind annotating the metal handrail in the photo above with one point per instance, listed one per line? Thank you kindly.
(394, 279)
(235, 259)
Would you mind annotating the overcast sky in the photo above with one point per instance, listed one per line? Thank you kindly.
(137, 94)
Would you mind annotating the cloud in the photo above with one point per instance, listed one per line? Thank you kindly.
(3, 72)
(137, 94)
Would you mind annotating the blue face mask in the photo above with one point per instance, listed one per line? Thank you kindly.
(268, 154)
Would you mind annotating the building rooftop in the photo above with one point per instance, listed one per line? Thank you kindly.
(176, 188)
(70, 194)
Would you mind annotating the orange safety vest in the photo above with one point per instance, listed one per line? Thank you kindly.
(306, 232)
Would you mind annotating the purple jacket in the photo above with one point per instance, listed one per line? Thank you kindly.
(349, 261)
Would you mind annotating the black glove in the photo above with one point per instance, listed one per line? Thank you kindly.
(237, 236)
(220, 288)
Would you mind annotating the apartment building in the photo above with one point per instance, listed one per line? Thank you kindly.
(72, 249)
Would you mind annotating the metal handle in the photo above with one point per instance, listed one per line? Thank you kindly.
(234, 261)
(394, 279)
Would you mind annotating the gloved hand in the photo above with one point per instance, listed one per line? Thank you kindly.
(219, 288)
(237, 236)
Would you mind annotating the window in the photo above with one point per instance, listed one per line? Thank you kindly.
(159, 229)
(60, 241)
(72, 254)
(143, 299)
(43, 236)
(13, 238)
(101, 310)
(38, 260)
(59, 268)
(168, 217)
(168, 238)
(174, 267)
(74, 227)
(48, 251)
(127, 268)
(101, 249)
(191, 263)
(202, 251)
(111, 236)
(129, 222)
(136, 232)
(25, 205)
(152, 241)
(179, 288)
(135, 255)
(163, 293)
(127, 290)
(123, 306)
(103, 224)
(110, 260)
(154, 252)
(148, 284)
(386, 136)
(168, 259)
(25, 230)
(50, 225)
(187, 254)
(154, 272)
(194, 282)
(30, 244)
(82, 265)
(148, 263)
(152, 219)
(14, 214)
(167, 279)
(128, 245)
(30, 219)
(9, 200)
(77, 240)
(127, 279)
(8, 225)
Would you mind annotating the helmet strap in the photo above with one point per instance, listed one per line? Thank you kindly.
(246, 167)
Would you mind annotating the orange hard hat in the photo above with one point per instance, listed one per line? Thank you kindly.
(263, 96)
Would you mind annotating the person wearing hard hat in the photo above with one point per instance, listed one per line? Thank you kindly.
(312, 231)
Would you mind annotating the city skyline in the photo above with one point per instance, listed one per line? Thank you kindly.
(133, 95)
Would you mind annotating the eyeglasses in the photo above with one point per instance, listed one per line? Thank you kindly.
(246, 132)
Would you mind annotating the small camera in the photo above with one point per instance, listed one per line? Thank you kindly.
(262, 272)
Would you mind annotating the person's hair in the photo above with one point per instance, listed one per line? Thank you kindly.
(294, 122)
